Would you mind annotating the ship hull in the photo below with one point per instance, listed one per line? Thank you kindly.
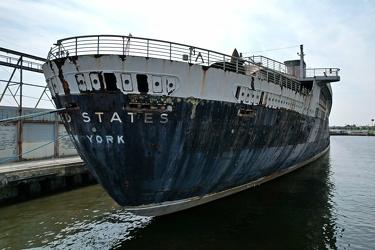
(172, 159)
(164, 127)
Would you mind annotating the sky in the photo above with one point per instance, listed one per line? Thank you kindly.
(334, 33)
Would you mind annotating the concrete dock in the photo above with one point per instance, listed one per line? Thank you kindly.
(28, 179)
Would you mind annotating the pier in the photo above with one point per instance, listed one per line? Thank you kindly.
(30, 179)
(36, 155)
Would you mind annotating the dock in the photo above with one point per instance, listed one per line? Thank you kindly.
(36, 155)
(30, 179)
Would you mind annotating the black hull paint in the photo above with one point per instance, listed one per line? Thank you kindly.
(143, 154)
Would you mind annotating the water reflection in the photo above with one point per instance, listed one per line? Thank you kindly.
(292, 212)
(312, 208)
(84, 218)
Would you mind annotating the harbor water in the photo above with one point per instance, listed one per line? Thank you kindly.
(328, 204)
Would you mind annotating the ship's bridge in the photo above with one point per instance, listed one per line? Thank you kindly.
(323, 75)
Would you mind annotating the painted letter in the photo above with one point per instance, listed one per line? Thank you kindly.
(131, 117)
(148, 118)
(109, 138)
(99, 139)
(120, 139)
(99, 115)
(115, 117)
(90, 137)
(163, 118)
(199, 55)
(86, 117)
(67, 117)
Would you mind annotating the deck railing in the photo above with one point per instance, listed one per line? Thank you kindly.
(137, 46)
(269, 63)
(268, 69)
(327, 72)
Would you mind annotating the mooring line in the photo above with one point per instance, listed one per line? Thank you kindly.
(16, 118)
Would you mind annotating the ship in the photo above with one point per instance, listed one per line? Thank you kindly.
(166, 126)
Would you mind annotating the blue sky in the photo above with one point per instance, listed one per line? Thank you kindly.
(336, 33)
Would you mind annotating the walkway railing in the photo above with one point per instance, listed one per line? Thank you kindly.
(272, 70)
(327, 72)
(136, 46)
(22, 61)
(269, 63)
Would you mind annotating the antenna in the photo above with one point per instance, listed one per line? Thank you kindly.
(301, 62)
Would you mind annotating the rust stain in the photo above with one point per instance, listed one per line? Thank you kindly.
(252, 83)
(126, 186)
(62, 79)
(203, 85)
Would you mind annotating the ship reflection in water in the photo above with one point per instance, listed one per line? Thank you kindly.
(79, 219)
(316, 207)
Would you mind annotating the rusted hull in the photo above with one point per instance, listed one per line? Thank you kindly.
(145, 156)
(166, 126)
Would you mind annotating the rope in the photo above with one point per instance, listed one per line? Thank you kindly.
(269, 50)
(16, 118)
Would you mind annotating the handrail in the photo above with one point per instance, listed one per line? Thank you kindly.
(322, 72)
(9, 60)
(152, 48)
(149, 48)
(269, 63)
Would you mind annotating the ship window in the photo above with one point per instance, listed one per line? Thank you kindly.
(142, 83)
(110, 80)
(238, 92)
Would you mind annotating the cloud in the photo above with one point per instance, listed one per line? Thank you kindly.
(334, 33)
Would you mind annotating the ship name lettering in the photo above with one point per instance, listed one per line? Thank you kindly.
(67, 117)
(100, 117)
(109, 139)
(116, 117)
(147, 117)
(86, 117)
(164, 118)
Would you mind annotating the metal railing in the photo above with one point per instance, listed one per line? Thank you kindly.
(268, 69)
(9, 61)
(269, 63)
(137, 46)
(152, 48)
(327, 72)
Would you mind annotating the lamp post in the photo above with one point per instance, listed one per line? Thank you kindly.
(372, 120)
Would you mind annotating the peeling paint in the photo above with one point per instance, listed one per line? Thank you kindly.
(193, 110)
(186, 130)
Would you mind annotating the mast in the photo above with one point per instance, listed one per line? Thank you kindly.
(302, 70)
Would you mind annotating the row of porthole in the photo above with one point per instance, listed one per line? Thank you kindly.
(283, 102)
(248, 95)
(269, 99)
(156, 83)
(277, 101)
(273, 100)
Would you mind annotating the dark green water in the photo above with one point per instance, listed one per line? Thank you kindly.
(329, 204)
